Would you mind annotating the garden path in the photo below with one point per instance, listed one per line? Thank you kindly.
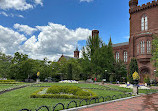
(142, 103)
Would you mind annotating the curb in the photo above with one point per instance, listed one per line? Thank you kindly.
(92, 105)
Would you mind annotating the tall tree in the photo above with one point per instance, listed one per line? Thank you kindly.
(155, 52)
(69, 70)
(133, 66)
(93, 45)
(5, 62)
(110, 54)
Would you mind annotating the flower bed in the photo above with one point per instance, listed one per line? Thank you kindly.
(66, 92)
(68, 81)
(131, 86)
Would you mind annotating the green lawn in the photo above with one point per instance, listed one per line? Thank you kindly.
(20, 98)
(130, 90)
(6, 87)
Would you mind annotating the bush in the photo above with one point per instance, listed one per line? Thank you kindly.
(7, 81)
(147, 80)
(65, 92)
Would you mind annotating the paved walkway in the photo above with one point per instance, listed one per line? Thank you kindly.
(143, 103)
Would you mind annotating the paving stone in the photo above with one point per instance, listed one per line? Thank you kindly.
(142, 103)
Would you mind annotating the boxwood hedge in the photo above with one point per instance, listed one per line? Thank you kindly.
(66, 92)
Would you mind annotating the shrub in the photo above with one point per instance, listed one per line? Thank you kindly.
(65, 92)
(147, 80)
(7, 80)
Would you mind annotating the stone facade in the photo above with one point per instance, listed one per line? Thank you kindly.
(143, 24)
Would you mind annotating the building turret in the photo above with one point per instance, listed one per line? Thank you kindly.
(133, 3)
(95, 33)
(76, 53)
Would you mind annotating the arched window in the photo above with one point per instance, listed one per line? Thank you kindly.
(117, 57)
(125, 56)
(148, 47)
(142, 45)
(144, 23)
(138, 49)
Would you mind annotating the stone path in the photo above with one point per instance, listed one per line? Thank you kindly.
(142, 103)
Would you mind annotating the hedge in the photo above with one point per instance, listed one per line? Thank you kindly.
(7, 81)
(65, 92)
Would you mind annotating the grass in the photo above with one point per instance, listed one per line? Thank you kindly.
(6, 87)
(20, 98)
(130, 90)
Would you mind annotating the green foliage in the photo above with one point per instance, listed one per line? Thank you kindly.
(147, 80)
(133, 66)
(97, 58)
(5, 62)
(120, 70)
(69, 72)
(111, 78)
(66, 92)
(155, 52)
(7, 80)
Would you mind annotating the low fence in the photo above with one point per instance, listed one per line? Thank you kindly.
(88, 102)
(78, 104)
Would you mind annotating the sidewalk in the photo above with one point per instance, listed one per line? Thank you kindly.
(142, 103)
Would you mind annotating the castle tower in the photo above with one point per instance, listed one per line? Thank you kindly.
(133, 3)
(95, 33)
(76, 53)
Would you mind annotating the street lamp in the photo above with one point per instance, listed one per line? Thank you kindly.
(104, 80)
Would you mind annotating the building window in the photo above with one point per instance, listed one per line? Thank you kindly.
(148, 47)
(138, 49)
(125, 56)
(142, 45)
(144, 23)
(117, 57)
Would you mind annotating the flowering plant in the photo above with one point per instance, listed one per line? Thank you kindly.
(135, 76)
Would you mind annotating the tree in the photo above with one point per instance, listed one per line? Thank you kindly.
(5, 62)
(69, 75)
(120, 70)
(155, 52)
(133, 66)
(91, 54)
(110, 57)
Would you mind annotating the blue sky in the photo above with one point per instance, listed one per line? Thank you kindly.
(48, 28)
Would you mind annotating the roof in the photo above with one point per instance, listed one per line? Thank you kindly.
(68, 57)
(120, 44)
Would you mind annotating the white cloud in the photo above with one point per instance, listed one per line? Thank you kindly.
(53, 40)
(86, 0)
(25, 28)
(21, 16)
(19, 4)
(39, 2)
(10, 40)
(127, 37)
(11, 14)
(4, 13)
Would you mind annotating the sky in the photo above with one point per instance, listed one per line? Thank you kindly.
(50, 28)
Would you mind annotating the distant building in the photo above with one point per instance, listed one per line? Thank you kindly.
(143, 24)
(76, 55)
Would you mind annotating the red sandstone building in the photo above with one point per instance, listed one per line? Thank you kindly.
(143, 24)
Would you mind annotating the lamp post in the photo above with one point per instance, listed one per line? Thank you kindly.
(155, 76)
(104, 78)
